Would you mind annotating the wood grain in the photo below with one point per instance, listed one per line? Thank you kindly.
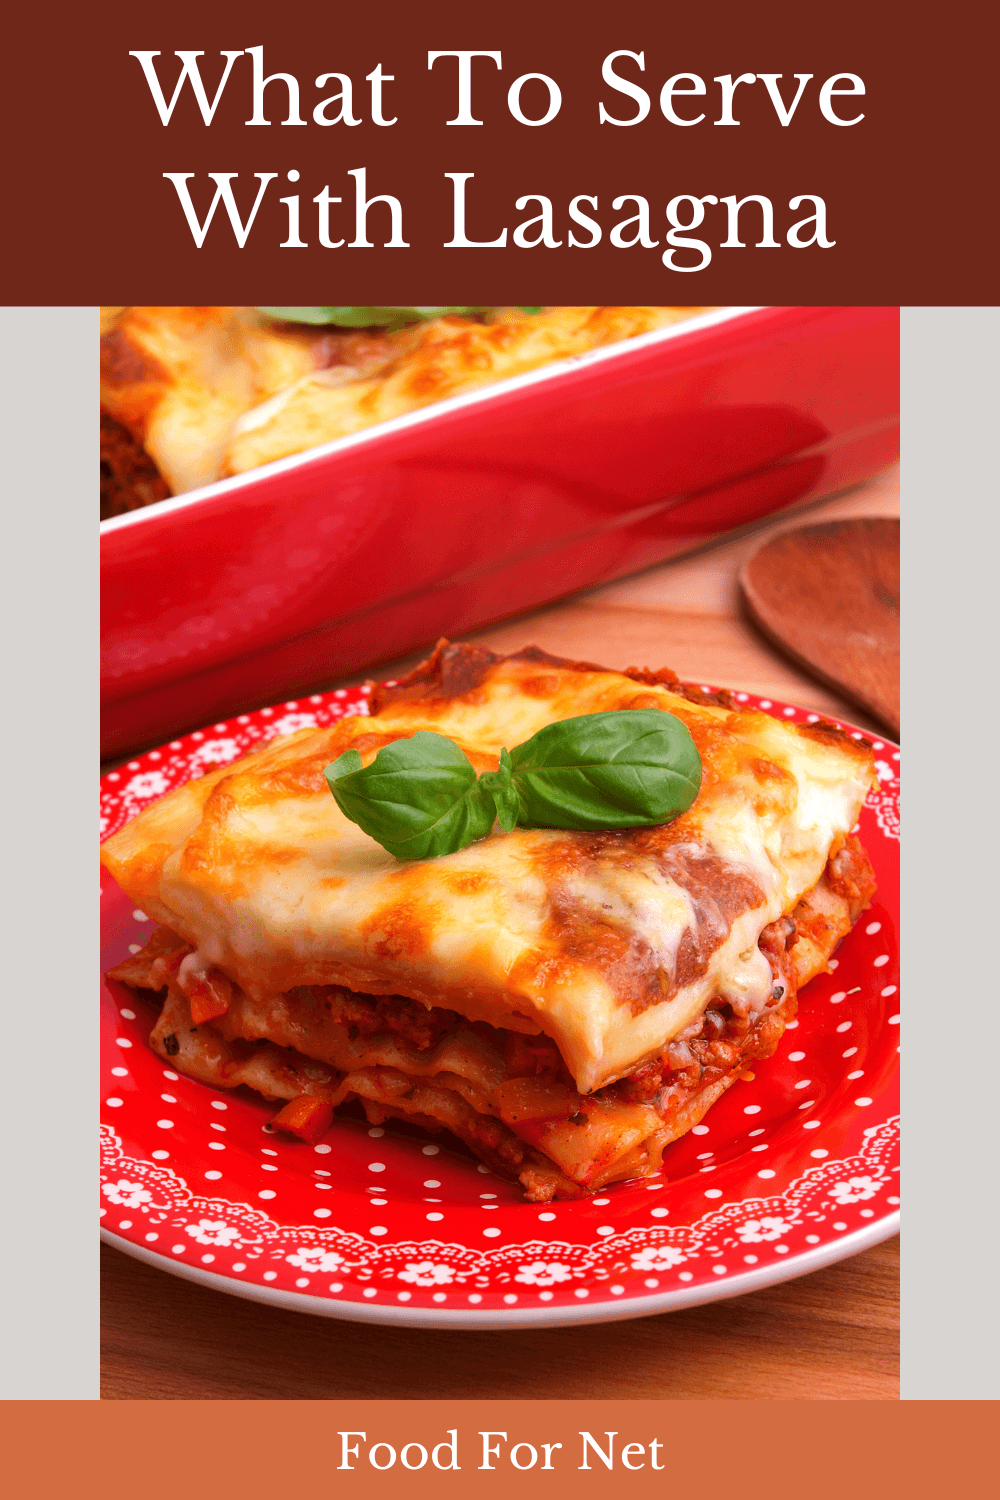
(830, 1336)
(828, 596)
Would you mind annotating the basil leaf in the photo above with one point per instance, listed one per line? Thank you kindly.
(418, 798)
(344, 765)
(624, 769)
(421, 798)
(370, 317)
(501, 788)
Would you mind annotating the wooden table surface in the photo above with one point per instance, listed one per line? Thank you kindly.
(828, 1336)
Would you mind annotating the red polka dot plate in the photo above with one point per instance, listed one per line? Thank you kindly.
(789, 1172)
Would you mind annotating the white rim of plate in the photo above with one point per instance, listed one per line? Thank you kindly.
(641, 1306)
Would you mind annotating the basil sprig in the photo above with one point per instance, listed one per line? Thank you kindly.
(421, 797)
(370, 317)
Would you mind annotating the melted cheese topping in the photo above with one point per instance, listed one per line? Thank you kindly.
(179, 377)
(442, 358)
(211, 391)
(611, 943)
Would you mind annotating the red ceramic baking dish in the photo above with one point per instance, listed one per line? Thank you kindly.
(437, 523)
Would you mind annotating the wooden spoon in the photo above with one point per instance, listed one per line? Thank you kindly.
(828, 596)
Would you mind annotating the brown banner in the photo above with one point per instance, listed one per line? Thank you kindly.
(641, 144)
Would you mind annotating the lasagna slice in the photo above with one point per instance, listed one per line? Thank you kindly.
(567, 1003)
(209, 391)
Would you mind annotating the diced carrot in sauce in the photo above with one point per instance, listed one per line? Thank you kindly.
(210, 997)
(306, 1117)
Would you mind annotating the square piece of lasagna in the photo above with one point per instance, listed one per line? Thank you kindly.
(566, 1003)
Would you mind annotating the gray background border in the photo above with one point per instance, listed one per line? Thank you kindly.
(49, 402)
(950, 597)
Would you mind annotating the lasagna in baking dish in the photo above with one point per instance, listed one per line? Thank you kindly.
(192, 394)
(565, 1002)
